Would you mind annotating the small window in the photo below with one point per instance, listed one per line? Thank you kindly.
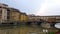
(0, 7)
(8, 10)
(8, 17)
(0, 11)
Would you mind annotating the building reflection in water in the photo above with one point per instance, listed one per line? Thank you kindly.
(24, 29)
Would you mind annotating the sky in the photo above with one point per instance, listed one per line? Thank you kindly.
(37, 7)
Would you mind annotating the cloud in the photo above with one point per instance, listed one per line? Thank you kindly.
(37, 7)
(50, 7)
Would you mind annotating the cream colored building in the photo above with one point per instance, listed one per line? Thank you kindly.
(8, 14)
(44, 18)
(3, 14)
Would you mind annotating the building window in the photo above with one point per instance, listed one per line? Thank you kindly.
(0, 11)
(8, 17)
(8, 12)
(0, 7)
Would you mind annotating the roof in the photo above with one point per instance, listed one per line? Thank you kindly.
(15, 9)
(3, 4)
(48, 16)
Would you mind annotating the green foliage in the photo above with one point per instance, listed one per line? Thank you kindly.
(51, 33)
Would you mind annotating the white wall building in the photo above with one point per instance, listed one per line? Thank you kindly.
(3, 10)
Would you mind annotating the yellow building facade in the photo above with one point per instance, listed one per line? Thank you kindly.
(14, 15)
(17, 16)
(23, 17)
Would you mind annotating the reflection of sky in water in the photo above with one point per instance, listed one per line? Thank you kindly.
(57, 25)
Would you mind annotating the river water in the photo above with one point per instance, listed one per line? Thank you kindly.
(25, 29)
